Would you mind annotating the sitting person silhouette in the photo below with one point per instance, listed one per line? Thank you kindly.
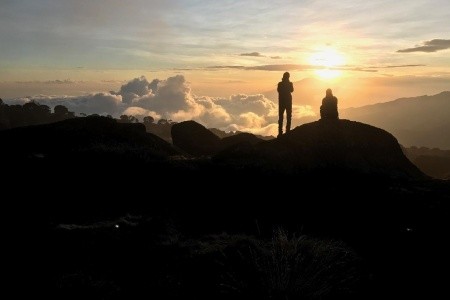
(329, 109)
(285, 88)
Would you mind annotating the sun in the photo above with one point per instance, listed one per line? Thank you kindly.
(327, 62)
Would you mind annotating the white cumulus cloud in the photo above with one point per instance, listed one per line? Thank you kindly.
(173, 99)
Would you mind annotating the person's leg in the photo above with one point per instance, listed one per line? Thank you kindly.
(281, 109)
(288, 116)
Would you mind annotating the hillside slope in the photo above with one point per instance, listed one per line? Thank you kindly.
(418, 121)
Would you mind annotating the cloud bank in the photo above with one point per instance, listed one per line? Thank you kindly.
(173, 99)
(429, 46)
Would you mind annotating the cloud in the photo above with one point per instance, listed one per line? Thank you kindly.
(297, 67)
(173, 99)
(236, 104)
(396, 66)
(255, 54)
(276, 57)
(57, 81)
(429, 46)
(137, 87)
(140, 112)
(227, 67)
(294, 67)
(301, 111)
(251, 120)
(99, 103)
(284, 67)
(66, 81)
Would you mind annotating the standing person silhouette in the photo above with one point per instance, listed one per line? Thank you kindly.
(285, 88)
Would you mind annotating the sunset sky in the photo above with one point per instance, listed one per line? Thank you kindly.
(389, 49)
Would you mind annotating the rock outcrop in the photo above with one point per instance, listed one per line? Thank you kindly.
(328, 145)
(197, 140)
(194, 138)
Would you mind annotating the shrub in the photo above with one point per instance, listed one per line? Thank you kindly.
(294, 268)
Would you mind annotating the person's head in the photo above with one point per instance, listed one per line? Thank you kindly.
(286, 76)
(329, 93)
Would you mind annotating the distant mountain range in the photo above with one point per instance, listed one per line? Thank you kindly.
(416, 121)
(433, 162)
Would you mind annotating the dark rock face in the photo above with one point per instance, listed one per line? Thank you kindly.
(339, 145)
(194, 138)
(240, 138)
(329, 145)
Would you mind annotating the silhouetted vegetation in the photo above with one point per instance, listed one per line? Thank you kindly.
(294, 268)
(162, 128)
(214, 266)
(128, 119)
(31, 113)
(223, 134)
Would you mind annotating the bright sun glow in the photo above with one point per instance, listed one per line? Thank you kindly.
(328, 60)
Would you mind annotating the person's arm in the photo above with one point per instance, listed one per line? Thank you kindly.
(278, 88)
(292, 87)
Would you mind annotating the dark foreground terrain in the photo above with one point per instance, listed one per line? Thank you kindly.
(332, 210)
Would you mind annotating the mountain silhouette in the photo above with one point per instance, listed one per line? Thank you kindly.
(433, 162)
(416, 121)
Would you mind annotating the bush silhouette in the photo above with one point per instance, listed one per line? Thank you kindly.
(292, 268)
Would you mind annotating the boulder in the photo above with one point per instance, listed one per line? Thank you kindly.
(327, 145)
(194, 138)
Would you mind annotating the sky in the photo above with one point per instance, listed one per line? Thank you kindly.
(222, 49)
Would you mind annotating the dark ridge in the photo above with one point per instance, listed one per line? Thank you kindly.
(90, 134)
